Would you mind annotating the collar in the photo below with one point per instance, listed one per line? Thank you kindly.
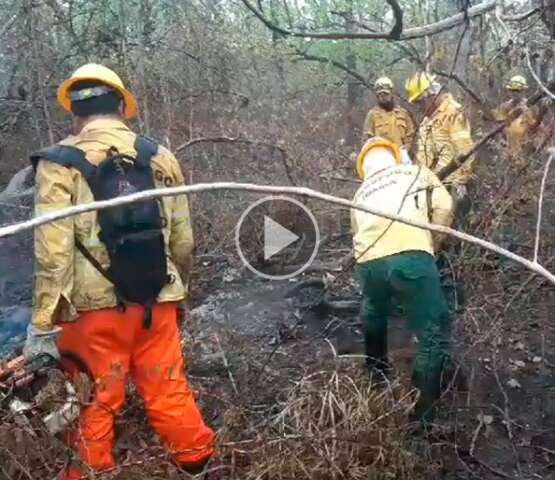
(108, 123)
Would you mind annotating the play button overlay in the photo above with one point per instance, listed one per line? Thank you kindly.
(277, 237)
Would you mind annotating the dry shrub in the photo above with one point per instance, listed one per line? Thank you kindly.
(331, 424)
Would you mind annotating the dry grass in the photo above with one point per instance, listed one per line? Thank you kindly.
(334, 424)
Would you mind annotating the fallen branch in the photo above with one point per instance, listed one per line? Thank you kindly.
(271, 189)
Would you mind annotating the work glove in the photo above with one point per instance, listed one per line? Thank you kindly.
(41, 341)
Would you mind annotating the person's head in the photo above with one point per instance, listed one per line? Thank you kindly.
(93, 98)
(423, 90)
(376, 155)
(383, 87)
(517, 87)
(95, 90)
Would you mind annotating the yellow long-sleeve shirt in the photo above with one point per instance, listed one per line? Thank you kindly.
(65, 281)
(410, 191)
(396, 126)
(442, 137)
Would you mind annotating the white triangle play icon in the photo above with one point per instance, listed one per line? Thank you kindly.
(276, 237)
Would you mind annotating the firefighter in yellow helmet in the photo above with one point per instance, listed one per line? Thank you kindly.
(443, 136)
(444, 133)
(519, 132)
(388, 120)
(88, 297)
(397, 260)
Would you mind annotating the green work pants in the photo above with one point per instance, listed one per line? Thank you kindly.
(412, 279)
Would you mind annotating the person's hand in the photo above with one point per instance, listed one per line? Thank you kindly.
(41, 342)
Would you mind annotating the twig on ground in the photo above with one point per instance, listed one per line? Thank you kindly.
(226, 364)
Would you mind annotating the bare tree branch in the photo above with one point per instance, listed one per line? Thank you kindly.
(269, 189)
(519, 17)
(547, 91)
(394, 34)
(461, 84)
(339, 65)
(450, 22)
(540, 204)
(284, 155)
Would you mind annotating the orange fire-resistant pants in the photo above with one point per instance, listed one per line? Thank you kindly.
(115, 346)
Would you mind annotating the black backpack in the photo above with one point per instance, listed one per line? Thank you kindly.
(132, 233)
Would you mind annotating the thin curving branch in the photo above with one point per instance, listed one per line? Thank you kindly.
(245, 141)
(540, 204)
(461, 84)
(394, 34)
(336, 64)
(547, 91)
(269, 189)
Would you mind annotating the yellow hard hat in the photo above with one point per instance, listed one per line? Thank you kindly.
(102, 74)
(517, 84)
(373, 143)
(383, 84)
(418, 85)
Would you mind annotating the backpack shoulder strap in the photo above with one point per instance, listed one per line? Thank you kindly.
(66, 156)
(146, 149)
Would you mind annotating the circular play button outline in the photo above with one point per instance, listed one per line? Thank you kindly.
(273, 198)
